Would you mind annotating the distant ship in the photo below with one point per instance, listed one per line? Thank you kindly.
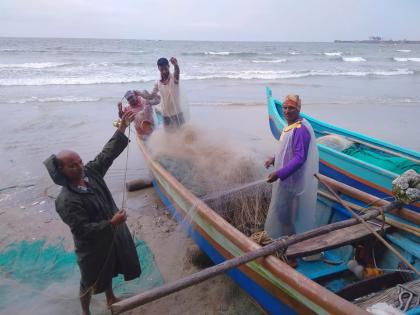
(379, 40)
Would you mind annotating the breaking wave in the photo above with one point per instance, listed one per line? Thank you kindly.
(289, 74)
(238, 75)
(331, 54)
(353, 59)
(65, 99)
(44, 65)
(406, 59)
(269, 61)
(74, 81)
(219, 53)
(33, 65)
(403, 50)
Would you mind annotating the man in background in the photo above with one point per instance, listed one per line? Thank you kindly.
(173, 114)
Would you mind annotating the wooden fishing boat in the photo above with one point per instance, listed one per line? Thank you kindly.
(368, 164)
(313, 287)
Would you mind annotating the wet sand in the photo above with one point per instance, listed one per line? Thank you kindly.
(173, 250)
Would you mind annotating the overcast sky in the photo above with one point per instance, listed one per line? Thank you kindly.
(273, 20)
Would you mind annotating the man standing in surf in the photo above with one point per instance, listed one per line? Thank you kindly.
(173, 113)
(294, 192)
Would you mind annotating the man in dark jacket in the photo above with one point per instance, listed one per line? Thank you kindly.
(103, 243)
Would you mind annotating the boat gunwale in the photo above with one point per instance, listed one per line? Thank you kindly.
(404, 151)
(296, 280)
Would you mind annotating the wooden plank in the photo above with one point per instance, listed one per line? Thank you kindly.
(332, 240)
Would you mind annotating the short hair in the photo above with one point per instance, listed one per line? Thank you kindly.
(162, 62)
(129, 94)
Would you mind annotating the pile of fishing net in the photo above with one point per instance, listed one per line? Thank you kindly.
(226, 177)
(37, 277)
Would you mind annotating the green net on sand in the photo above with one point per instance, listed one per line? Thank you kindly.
(41, 278)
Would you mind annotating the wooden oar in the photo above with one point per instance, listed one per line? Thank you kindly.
(399, 225)
(276, 245)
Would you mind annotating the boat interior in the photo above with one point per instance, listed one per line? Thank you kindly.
(365, 150)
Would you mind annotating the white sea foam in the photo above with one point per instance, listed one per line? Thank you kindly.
(74, 81)
(292, 52)
(269, 61)
(222, 53)
(64, 99)
(406, 59)
(331, 54)
(289, 74)
(353, 59)
(403, 50)
(234, 74)
(33, 65)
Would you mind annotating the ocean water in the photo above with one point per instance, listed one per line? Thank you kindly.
(90, 70)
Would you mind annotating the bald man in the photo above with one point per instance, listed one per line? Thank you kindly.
(103, 243)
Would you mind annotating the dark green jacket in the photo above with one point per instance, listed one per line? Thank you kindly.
(102, 251)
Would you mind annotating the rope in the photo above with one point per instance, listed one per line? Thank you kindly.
(125, 170)
(91, 289)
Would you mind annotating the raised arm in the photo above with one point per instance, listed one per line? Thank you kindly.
(113, 148)
(177, 71)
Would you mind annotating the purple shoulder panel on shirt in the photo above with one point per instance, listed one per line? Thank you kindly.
(301, 140)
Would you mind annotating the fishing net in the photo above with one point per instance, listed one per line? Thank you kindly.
(381, 159)
(41, 278)
(369, 155)
(228, 178)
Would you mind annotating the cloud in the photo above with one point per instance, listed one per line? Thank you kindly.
(286, 20)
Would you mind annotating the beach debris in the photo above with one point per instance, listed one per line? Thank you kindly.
(16, 186)
(406, 188)
(35, 203)
(42, 202)
(138, 184)
(198, 258)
